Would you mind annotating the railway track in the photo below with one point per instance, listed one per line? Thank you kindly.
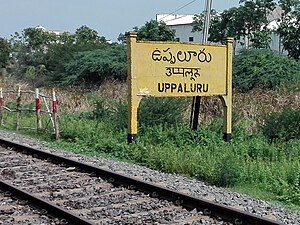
(16, 211)
(79, 193)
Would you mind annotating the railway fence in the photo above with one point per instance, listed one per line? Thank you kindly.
(33, 102)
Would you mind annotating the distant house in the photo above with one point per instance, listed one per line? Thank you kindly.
(56, 32)
(183, 25)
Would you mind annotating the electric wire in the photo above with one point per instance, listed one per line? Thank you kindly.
(182, 7)
(175, 18)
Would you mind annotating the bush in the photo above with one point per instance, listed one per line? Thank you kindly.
(229, 171)
(152, 112)
(93, 67)
(100, 112)
(283, 125)
(155, 111)
(263, 68)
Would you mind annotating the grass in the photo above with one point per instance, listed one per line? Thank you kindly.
(94, 123)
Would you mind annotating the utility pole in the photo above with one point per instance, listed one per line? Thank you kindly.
(197, 100)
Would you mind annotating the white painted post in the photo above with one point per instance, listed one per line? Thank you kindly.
(1, 107)
(18, 108)
(54, 115)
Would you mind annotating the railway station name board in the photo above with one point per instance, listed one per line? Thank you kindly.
(173, 69)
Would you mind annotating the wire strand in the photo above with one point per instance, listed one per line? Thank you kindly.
(182, 7)
(175, 18)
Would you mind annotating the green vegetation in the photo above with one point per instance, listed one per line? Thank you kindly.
(249, 160)
(97, 65)
(4, 51)
(263, 68)
(249, 24)
(262, 159)
(283, 125)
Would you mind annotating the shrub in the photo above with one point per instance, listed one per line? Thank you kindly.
(95, 66)
(152, 112)
(155, 111)
(100, 112)
(282, 125)
(229, 171)
(120, 116)
(263, 68)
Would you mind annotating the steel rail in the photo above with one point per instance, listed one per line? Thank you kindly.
(209, 208)
(37, 202)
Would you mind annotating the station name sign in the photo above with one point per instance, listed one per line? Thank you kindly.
(173, 69)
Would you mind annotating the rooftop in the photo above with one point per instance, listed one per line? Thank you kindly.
(174, 19)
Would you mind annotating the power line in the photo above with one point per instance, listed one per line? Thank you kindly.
(182, 7)
(174, 18)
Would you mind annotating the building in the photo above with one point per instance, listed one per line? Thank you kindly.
(56, 32)
(183, 26)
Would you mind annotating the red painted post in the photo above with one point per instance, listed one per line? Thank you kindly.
(38, 110)
(54, 115)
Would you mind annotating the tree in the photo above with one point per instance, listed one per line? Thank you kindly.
(4, 52)
(226, 24)
(37, 39)
(289, 29)
(247, 21)
(44, 56)
(155, 31)
(254, 16)
(59, 53)
(84, 34)
(151, 31)
(122, 38)
(92, 67)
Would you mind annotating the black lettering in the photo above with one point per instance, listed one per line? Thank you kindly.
(173, 87)
(199, 88)
(179, 53)
(185, 90)
(203, 57)
(156, 55)
(180, 88)
(193, 87)
(205, 89)
(167, 86)
(161, 87)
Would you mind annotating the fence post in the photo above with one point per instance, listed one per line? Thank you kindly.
(38, 110)
(1, 107)
(18, 109)
(54, 114)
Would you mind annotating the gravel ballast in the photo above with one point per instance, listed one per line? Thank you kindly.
(174, 182)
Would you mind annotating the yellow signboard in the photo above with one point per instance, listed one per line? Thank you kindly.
(175, 69)
(165, 69)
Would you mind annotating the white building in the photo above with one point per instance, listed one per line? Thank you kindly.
(56, 32)
(183, 25)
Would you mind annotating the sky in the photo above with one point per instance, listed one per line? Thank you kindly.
(108, 17)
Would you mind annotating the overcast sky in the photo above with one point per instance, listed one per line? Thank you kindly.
(108, 18)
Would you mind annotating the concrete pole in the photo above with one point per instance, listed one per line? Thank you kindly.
(207, 21)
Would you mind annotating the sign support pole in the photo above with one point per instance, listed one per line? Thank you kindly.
(227, 100)
(133, 99)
